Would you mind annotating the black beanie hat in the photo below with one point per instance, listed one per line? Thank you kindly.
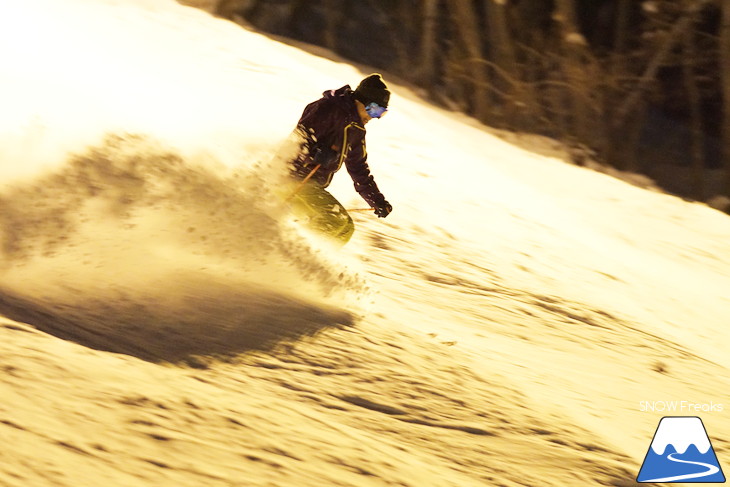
(373, 89)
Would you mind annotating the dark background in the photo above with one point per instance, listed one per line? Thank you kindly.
(638, 85)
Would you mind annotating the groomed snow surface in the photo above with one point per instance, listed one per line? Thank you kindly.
(167, 324)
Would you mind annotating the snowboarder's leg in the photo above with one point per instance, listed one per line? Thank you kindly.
(323, 213)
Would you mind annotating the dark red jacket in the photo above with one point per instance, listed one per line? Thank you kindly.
(333, 134)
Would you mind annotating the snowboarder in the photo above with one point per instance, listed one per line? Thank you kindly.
(332, 133)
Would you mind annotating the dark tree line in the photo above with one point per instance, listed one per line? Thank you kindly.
(640, 84)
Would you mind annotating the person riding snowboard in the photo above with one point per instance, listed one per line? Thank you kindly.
(332, 133)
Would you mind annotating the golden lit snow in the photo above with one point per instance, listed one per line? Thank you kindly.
(166, 325)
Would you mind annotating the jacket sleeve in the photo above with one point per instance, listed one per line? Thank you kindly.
(357, 167)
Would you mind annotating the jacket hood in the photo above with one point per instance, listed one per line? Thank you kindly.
(338, 92)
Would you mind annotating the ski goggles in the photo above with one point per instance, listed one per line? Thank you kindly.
(375, 110)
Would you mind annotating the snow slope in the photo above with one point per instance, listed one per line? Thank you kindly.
(164, 324)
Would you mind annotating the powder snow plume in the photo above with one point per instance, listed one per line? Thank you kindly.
(162, 324)
(130, 247)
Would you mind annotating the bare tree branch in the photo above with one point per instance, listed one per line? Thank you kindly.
(672, 38)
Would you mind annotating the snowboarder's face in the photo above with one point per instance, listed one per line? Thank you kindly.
(364, 116)
(369, 112)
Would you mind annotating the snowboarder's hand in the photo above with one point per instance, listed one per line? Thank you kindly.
(383, 209)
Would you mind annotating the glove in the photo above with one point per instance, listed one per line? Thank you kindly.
(383, 209)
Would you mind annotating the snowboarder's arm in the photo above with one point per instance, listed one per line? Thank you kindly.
(359, 170)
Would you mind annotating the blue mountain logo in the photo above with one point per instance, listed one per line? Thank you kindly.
(681, 452)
